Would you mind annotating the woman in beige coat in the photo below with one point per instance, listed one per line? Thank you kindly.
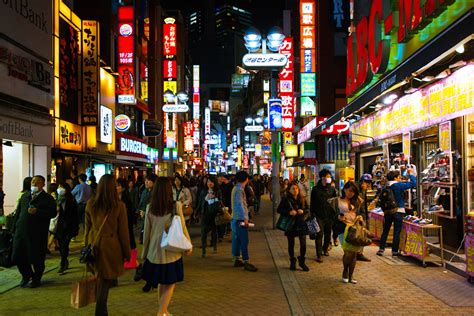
(161, 266)
(112, 246)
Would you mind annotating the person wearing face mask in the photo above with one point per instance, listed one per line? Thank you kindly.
(68, 223)
(31, 225)
(325, 215)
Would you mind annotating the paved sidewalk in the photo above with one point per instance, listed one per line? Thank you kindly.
(212, 286)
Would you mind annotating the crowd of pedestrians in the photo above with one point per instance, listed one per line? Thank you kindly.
(115, 211)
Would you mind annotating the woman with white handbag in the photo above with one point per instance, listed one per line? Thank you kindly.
(163, 263)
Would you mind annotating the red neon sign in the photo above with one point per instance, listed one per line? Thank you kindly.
(169, 69)
(126, 51)
(169, 39)
(368, 54)
(286, 76)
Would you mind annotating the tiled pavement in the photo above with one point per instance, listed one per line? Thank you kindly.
(213, 287)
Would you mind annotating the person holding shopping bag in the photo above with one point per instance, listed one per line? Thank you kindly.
(162, 266)
(106, 227)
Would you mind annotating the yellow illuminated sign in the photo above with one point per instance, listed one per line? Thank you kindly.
(69, 136)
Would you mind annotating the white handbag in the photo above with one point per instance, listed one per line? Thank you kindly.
(175, 240)
(53, 224)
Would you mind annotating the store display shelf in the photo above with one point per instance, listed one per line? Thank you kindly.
(445, 214)
(440, 184)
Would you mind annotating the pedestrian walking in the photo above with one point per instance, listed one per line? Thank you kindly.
(397, 189)
(181, 193)
(303, 185)
(240, 224)
(367, 194)
(113, 245)
(226, 187)
(145, 194)
(346, 207)
(82, 193)
(31, 225)
(162, 267)
(349, 260)
(124, 196)
(210, 203)
(293, 204)
(324, 213)
(68, 223)
(133, 193)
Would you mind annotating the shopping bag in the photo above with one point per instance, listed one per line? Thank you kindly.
(174, 239)
(285, 222)
(84, 292)
(313, 226)
(132, 264)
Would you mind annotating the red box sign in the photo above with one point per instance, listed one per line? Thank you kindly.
(188, 128)
(286, 76)
(169, 39)
(169, 69)
(335, 129)
(126, 51)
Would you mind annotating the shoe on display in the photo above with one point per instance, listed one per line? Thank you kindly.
(440, 153)
(431, 154)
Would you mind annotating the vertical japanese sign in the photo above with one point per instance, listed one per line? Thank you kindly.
(169, 39)
(196, 103)
(169, 76)
(445, 136)
(90, 72)
(286, 76)
(308, 54)
(126, 53)
(188, 129)
(207, 120)
(406, 145)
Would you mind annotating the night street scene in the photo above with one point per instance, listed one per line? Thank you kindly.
(236, 157)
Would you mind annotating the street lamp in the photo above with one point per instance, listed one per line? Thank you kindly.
(253, 42)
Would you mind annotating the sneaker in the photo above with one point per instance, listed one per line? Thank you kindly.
(353, 281)
(250, 267)
(24, 282)
(238, 263)
(344, 280)
(380, 252)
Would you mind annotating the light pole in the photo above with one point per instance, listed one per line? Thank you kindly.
(253, 43)
(170, 109)
(254, 125)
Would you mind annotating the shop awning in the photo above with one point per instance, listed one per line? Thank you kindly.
(337, 148)
(131, 158)
(450, 37)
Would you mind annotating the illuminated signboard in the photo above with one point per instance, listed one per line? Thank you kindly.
(207, 120)
(308, 84)
(126, 53)
(169, 69)
(274, 110)
(106, 129)
(196, 103)
(188, 128)
(304, 133)
(69, 136)
(253, 128)
(90, 72)
(169, 39)
(175, 108)
(122, 123)
(307, 106)
(286, 77)
(259, 61)
(388, 35)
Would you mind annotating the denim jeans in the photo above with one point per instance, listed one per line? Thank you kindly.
(240, 240)
(397, 220)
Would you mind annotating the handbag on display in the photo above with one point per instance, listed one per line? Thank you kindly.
(87, 253)
(84, 292)
(174, 239)
(223, 217)
(53, 224)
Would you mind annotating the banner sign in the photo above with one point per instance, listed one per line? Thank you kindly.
(106, 129)
(286, 76)
(259, 61)
(415, 242)
(406, 145)
(169, 39)
(308, 84)
(126, 55)
(169, 69)
(274, 114)
(445, 136)
(90, 72)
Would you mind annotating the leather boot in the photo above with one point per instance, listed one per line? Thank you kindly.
(293, 264)
(302, 264)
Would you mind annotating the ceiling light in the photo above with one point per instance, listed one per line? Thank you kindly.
(411, 90)
(458, 64)
(393, 96)
(460, 49)
(443, 74)
(388, 100)
(428, 78)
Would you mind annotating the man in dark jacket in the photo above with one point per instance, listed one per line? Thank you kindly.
(324, 213)
(30, 241)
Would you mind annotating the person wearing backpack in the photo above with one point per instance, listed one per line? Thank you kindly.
(393, 205)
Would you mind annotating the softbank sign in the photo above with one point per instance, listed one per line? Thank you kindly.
(133, 146)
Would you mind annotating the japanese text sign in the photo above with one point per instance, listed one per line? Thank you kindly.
(169, 69)
(169, 39)
(286, 77)
(126, 52)
(90, 71)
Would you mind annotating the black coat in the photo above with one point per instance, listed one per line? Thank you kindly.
(209, 212)
(68, 221)
(319, 201)
(226, 190)
(287, 204)
(30, 240)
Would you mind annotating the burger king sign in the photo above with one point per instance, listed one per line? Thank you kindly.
(122, 123)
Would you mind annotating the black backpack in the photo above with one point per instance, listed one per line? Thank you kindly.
(388, 203)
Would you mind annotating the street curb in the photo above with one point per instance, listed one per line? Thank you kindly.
(295, 296)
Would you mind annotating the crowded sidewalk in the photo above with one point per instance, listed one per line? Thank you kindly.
(212, 286)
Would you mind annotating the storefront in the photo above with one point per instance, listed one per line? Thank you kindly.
(26, 97)
(411, 104)
(135, 158)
